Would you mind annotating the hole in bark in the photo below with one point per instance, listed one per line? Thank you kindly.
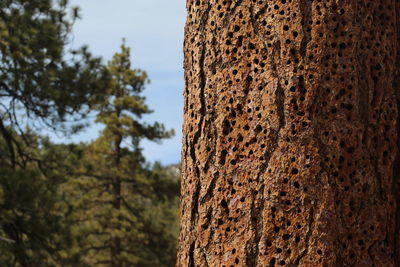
(272, 262)
(224, 204)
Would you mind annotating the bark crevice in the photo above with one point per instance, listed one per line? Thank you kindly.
(191, 254)
(306, 13)
(210, 190)
(307, 238)
(257, 226)
(202, 111)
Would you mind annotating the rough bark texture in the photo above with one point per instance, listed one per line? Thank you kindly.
(290, 134)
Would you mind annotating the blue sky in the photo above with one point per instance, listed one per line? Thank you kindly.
(154, 31)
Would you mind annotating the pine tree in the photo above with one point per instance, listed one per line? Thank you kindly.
(113, 188)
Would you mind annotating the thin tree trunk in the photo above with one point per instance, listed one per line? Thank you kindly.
(290, 134)
(117, 195)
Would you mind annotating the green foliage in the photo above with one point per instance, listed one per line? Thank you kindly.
(113, 190)
(33, 230)
(39, 76)
(124, 105)
(40, 80)
(96, 204)
(161, 218)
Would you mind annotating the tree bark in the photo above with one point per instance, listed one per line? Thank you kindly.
(290, 134)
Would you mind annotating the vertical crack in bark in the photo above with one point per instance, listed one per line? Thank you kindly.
(280, 102)
(195, 204)
(202, 84)
(191, 255)
(185, 153)
(186, 93)
(209, 124)
(202, 110)
(208, 217)
(308, 237)
(306, 12)
(210, 190)
(252, 252)
(279, 94)
(204, 254)
(370, 253)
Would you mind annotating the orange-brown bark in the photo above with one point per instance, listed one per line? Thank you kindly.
(290, 134)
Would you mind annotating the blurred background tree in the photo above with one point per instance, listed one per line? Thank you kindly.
(112, 189)
(33, 230)
(40, 77)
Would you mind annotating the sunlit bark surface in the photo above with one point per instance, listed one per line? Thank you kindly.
(290, 134)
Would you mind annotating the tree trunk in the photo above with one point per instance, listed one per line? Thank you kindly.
(117, 195)
(290, 134)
